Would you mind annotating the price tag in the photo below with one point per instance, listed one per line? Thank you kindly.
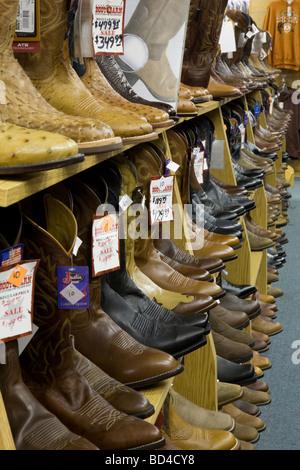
(16, 300)
(199, 166)
(73, 287)
(125, 202)
(17, 275)
(227, 38)
(257, 110)
(108, 27)
(105, 244)
(161, 199)
(243, 135)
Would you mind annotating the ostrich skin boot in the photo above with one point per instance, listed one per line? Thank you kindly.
(33, 427)
(47, 361)
(202, 41)
(23, 149)
(51, 72)
(21, 104)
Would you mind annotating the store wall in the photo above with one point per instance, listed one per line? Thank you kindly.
(258, 10)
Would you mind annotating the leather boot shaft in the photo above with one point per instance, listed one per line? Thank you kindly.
(202, 40)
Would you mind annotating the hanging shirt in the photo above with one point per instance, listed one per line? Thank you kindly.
(282, 20)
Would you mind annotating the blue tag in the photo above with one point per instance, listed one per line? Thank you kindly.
(167, 171)
(257, 109)
(73, 287)
(11, 255)
(246, 119)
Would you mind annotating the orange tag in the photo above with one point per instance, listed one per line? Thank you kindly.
(107, 223)
(17, 276)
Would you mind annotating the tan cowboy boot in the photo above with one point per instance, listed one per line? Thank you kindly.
(51, 72)
(22, 105)
(24, 149)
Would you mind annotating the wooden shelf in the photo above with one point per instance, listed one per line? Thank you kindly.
(256, 259)
(156, 396)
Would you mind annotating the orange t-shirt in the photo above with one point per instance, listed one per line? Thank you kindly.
(284, 27)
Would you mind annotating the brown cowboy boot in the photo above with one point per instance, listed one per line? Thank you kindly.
(33, 427)
(202, 40)
(48, 363)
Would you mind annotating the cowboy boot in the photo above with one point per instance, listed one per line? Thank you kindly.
(144, 330)
(118, 283)
(97, 84)
(175, 301)
(47, 362)
(202, 40)
(24, 150)
(33, 427)
(117, 79)
(148, 23)
(51, 72)
(24, 106)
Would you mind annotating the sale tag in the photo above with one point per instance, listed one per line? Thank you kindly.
(16, 300)
(73, 287)
(161, 199)
(108, 27)
(105, 244)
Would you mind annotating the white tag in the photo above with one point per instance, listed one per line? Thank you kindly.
(16, 301)
(105, 244)
(26, 16)
(264, 38)
(72, 294)
(125, 202)
(2, 93)
(227, 39)
(77, 245)
(243, 135)
(107, 29)
(161, 200)
(173, 166)
(199, 166)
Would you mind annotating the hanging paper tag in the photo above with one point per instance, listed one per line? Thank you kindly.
(227, 38)
(105, 244)
(246, 118)
(161, 199)
(73, 287)
(172, 166)
(263, 54)
(108, 27)
(199, 166)
(243, 135)
(125, 202)
(11, 255)
(16, 299)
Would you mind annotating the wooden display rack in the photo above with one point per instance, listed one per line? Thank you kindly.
(198, 382)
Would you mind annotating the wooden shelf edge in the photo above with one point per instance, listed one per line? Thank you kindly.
(256, 258)
(156, 396)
